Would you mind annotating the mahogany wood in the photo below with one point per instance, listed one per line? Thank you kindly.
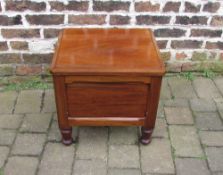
(107, 77)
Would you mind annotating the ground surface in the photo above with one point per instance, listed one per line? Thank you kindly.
(188, 139)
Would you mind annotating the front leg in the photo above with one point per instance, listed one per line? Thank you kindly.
(152, 106)
(66, 136)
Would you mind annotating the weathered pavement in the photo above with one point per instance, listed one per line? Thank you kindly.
(188, 139)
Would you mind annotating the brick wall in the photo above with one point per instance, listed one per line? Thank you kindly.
(189, 33)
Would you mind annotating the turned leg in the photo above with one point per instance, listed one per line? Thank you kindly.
(62, 115)
(146, 135)
(153, 101)
(66, 136)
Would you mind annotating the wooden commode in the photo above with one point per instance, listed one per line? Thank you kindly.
(107, 77)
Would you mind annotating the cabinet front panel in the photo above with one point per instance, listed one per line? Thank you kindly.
(107, 99)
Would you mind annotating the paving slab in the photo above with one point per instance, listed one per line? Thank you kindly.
(10, 121)
(4, 151)
(165, 90)
(185, 141)
(219, 83)
(28, 144)
(57, 159)
(160, 128)
(29, 101)
(123, 156)
(190, 166)
(205, 88)
(21, 165)
(156, 157)
(215, 158)
(36, 122)
(211, 138)
(176, 102)
(49, 104)
(130, 171)
(91, 167)
(7, 102)
(181, 87)
(208, 121)
(123, 135)
(178, 115)
(160, 110)
(7, 136)
(92, 143)
(203, 105)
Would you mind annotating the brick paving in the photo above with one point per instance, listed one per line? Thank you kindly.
(188, 138)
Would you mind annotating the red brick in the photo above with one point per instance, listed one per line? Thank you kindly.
(173, 66)
(12, 20)
(217, 21)
(211, 7)
(220, 57)
(119, 20)
(9, 58)
(110, 6)
(146, 7)
(172, 6)
(3, 46)
(19, 45)
(193, 8)
(72, 5)
(152, 20)
(20, 33)
(51, 33)
(186, 44)
(206, 33)
(181, 56)
(6, 70)
(162, 44)
(28, 69)
(165, 56)
(189, 66)
(87, 19)
(185, 20)
(214, 45)
(25, 5)
(45, 19)
(165, 32)
(37, 58)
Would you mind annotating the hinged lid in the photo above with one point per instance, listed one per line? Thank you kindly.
(107, 52)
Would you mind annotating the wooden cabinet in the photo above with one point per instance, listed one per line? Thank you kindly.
(107, 77)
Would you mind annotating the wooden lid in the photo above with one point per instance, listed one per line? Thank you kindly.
(107, 52)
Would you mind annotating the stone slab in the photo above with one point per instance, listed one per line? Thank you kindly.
(129, 171)
(208, 121)
(123, 156)
(21, 165)
(123, 135)
(205, 88)
(7, 137)
(181, 88)
(4, 151)
(28, 144)
(215, 158)
(57, 159)
(92, 143)
(178, 115)
(91, 167)
(211, 138)
(7, 102)
(10, 121)
(203, 105)
(29, 101)
(165, 90)
(49, 104)
(156, 157)
(36, 122)
(160, 128)
(185, 141)
(219, 83)
(190, 166)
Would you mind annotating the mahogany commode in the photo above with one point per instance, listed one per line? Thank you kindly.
(107, 77)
